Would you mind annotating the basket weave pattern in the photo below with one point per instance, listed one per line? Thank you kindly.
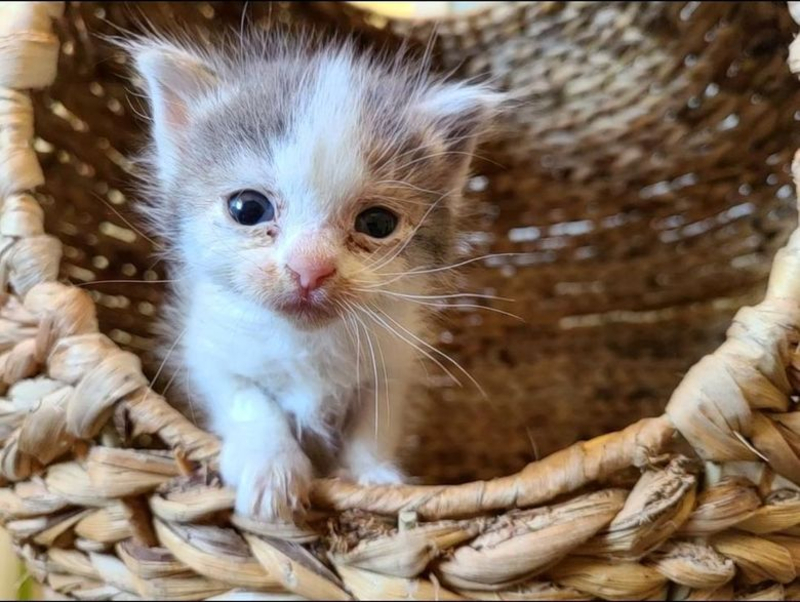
(109, 493)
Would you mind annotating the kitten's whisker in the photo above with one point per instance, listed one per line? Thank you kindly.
(164, 361)
(358, 357)
(348, 325)
(446, 296)
(385, 382)
(126, 282)
(445, 306)
(169, 383)
(443, 354)
(355, 337)
(127, 222)
(378, 320)
(352, 330)
(416, 271)
(374, 370)
(485, 307)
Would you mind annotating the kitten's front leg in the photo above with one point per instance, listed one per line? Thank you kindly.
(371, 441)
(260, 458)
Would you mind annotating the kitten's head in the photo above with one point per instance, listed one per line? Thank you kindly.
(306, 178)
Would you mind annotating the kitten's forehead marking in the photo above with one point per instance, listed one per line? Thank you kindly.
(321, 156)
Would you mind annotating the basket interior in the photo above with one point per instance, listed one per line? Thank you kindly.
(644, 180)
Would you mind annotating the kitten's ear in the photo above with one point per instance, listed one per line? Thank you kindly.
(174, 79)
(461, 113)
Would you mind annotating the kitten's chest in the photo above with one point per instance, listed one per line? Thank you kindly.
(281, 363)
(277, 357)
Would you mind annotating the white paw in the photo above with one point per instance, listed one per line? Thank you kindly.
(275, 488)
(270, 487)
(374, 474)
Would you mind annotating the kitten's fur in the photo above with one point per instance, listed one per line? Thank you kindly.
(324, 131)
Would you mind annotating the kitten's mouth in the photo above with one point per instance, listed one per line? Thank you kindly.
(311, 310)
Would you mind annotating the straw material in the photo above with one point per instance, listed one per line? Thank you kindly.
(646, 179)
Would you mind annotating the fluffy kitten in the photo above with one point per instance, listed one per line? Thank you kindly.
(308, 194)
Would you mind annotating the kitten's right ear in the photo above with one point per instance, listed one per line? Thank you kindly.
(174, 79)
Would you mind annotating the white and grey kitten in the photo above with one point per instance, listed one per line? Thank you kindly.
(309, 195)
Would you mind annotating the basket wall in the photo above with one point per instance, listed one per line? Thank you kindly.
(644, 177)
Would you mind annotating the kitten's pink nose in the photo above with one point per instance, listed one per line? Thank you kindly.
(311, 272)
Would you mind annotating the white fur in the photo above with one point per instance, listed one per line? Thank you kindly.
(320, 161)
(255, 369)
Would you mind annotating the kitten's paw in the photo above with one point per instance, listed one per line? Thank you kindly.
(276, 488)
(375, 474)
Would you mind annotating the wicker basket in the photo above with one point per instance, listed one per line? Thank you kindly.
(646, 182)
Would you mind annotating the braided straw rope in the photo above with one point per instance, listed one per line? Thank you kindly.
(700, 503)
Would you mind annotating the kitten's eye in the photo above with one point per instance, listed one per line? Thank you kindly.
(377, 222)
(249, 208)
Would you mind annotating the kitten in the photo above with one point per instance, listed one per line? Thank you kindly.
(309, 196)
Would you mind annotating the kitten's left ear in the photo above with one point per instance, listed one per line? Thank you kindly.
(175, 79)
(462, 113)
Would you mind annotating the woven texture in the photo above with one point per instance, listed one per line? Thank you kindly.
(644, 185)
(644, 178)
